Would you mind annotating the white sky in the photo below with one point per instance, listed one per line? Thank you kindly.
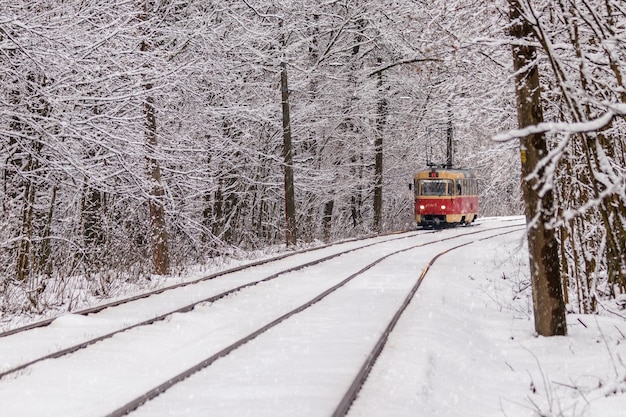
(464, 347)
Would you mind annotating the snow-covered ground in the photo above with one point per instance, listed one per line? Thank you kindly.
(467, 347)
(464, 347)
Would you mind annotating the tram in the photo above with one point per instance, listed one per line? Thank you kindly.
(445, 197)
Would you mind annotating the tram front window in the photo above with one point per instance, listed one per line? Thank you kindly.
(435, 187)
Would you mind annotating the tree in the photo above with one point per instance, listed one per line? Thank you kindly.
(290, 201)
(158, 227)
(583, 79)
(141, 131)
(548, 304)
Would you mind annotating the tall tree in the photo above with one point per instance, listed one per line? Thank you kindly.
(290, 199)
(583, 82)
(378, 154)
(548, 304)
(158, 227)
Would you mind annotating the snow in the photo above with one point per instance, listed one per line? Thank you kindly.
(595, 125)
(464, 347)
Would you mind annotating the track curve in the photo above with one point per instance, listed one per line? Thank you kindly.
(176, 317)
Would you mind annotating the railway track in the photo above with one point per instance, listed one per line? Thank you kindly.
(100, 307)
(316, 255)
(378, 252)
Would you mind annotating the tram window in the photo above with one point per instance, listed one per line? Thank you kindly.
(435, 187)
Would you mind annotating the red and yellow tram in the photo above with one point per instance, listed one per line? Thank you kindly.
(445, 197)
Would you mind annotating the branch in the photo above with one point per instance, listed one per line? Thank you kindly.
(569, 128)
(403, 62)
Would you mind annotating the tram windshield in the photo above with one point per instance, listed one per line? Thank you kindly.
(435, 187)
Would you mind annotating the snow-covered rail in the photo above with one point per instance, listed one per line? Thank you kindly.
(157, 358)
(363, 242)
(351, 394)
(170, 303)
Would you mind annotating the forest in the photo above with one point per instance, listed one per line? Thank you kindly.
(139, 138)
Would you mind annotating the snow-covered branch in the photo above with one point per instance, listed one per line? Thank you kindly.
(590, 126)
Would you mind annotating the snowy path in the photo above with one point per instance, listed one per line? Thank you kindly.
(302, 366)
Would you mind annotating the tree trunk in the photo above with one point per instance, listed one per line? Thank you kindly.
(327, 219)
(158, 230)
(92, 212)
(449, 139)
(356, 200)
(378, 160)
(26, 232)
(548, 305)
(290, 200)
(45, 264)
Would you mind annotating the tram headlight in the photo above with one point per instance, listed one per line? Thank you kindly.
(443, 207)
(422, 207)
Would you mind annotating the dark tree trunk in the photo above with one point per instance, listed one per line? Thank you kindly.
(45, 263)
(158, 230)
(378, 160)
(290, 199)
(93, 200)
(26, 233)
(327, 219)
(356, 200)
(548, 305)
(450, 139)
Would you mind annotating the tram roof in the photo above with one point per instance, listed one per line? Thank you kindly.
(447, 172)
